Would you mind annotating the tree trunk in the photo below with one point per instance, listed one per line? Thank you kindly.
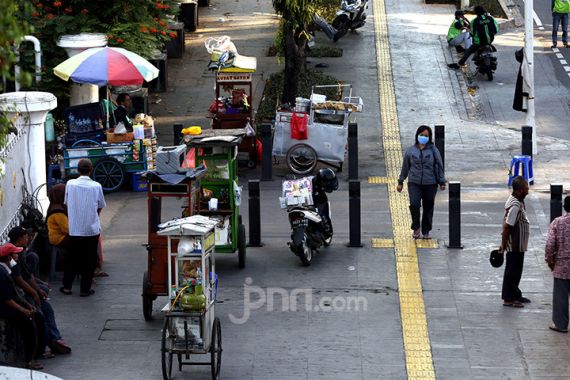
(295, 60)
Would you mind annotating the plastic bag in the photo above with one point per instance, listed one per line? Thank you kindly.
(249, 131)
(237, 190)
(120, 128)
(190, 159)
(219, 45)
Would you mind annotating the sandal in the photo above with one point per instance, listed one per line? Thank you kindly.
(47, 355)
(35, 365)
(67, 292)
(515, 304)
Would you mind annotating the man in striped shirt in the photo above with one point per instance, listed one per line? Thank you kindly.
(516, 231)
(84, 199)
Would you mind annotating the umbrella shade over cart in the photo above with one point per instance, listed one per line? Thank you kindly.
(107, 66)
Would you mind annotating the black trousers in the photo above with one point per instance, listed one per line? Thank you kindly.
(32, 332)
(422, 196)
(512, 277)
(560, 303)
(467, 53)
(81, 258)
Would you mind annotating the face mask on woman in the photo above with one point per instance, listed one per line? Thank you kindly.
(423, 139)
(13, 263)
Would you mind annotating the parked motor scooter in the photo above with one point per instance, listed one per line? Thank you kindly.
(311, 225)
(486, 61)
(351, 16)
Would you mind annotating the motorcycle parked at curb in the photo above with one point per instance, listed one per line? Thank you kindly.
(351, 16)
(486, 61)
(310, 218)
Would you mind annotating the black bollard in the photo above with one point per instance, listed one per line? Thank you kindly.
(352, 151)
(440, 142)
(265, 135)
(254, 213)
(455, 215)
(526, 146)
(177, 133)
(354, 213)
(556, 191)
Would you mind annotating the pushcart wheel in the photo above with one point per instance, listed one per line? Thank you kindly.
(301, 159)
(251, 164)
(166, 353)
(146, 298)
(109, 173)
(216, 349)
(241, 246)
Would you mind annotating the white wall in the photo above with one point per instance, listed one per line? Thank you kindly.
(16, 159)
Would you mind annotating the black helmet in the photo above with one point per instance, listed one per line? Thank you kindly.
(327, 179)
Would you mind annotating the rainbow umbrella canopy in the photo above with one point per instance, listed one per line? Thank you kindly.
(107, 66)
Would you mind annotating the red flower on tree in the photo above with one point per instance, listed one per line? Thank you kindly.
(57, 4)
(84, 11)
(68, 10)
(173, 35)
(50, 16)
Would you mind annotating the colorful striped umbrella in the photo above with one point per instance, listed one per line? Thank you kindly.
(107, 66)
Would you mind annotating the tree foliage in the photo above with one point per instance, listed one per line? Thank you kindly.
(12, 32)
(140, 26)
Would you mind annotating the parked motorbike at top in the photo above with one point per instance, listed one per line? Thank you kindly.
(351, 16)
(486, 61)
(310, 219)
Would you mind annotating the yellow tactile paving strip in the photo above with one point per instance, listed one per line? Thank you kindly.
(419, 363)
(389, 243)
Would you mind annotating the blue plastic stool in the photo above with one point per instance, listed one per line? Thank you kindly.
(527, 173)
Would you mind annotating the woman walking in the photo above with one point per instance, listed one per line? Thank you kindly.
(423, 168)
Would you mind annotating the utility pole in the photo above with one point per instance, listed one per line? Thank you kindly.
(529, 54)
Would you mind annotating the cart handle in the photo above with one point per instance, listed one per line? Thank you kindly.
(75, 144)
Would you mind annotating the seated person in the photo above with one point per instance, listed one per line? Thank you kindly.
(36, 293)
(459, 33)
(121, 114)
(21, 237)
(56, 219)
(20, 314)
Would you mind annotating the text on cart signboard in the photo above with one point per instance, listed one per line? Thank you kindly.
(234, 77)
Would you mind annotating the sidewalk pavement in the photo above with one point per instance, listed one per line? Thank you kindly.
(472, 335)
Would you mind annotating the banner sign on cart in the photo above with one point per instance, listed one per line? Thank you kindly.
(234, 77)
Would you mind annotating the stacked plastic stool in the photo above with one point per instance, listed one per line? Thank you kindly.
(526, 163)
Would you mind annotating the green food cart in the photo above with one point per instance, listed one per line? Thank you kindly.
(220, 193)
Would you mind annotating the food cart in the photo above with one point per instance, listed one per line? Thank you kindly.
(326, 130)
(114, 156)
(218, 150)
(166, 200)
(190, 326)
(233, 107)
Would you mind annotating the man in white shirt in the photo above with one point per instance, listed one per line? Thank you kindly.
(84, 199)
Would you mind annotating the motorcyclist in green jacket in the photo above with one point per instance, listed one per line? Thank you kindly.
(484, 27)
(459, 33)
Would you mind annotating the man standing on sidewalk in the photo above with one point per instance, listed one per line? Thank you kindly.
(84, 199)
(557, 256)
(516, 231)
(560, 11)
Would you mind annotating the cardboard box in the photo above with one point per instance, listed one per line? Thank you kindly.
(124, 137)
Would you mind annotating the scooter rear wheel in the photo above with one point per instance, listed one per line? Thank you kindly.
(306, 255)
